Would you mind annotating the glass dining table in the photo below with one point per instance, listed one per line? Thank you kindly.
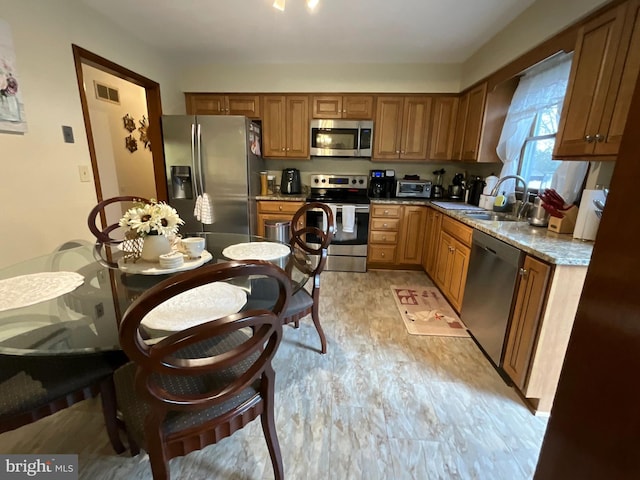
(78, 320)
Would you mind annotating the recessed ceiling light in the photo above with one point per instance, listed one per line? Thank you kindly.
(312, 4)
(279, 4)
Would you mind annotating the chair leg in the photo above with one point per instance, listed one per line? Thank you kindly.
(316, 321)
(110, 413)
(269, 425)
(157, 460)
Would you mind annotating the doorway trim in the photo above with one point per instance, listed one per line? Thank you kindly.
(154, 110)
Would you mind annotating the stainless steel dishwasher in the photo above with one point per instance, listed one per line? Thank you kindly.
(488, 295)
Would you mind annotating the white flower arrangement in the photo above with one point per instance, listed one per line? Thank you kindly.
(152, 219)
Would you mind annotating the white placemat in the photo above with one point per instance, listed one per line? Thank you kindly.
(25, 290)
(196, 306)
(256, 251)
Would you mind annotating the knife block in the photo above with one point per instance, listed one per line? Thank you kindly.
(565, 224)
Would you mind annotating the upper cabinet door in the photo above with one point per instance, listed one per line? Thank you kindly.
(241, 104)
(205, 104)
(327, 106)
(388, 127)
(592, 74)
(297, 126)
(274, 135)
(473, 122)
(415, 128)
(445, 111)
(357, 107)
(458, 136)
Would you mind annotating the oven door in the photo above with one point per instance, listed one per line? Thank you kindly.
(348, 250)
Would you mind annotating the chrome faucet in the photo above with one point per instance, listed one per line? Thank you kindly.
(525, 197)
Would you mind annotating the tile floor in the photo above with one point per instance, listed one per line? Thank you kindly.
(382, 404)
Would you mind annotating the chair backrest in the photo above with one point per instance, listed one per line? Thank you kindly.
(247, 338)
(102, 209)
(299, 235)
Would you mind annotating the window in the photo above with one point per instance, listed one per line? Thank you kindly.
(535, 164)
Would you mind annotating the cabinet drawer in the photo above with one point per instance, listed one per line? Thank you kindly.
(279, 207)
(382, 254)
(385, 224)
(386, 211)
(384, 237)
(457, 230)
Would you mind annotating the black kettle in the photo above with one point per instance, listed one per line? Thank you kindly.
(290, 182)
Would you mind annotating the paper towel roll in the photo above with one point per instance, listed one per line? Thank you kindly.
(491, 182)
(588, 222)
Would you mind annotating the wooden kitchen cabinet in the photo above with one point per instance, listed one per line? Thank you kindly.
(396, 235)
(469, 123)
(453, 252)
(223, 104)
(433, 226)
(603, 74)
(279, 211)
(402, 127)
(411, 241)
(285, 126)
(545, 307)
(443, 127)
(356, 107)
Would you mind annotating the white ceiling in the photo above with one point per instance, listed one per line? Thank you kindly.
(338, 31)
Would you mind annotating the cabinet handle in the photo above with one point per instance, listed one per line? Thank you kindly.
(402, 152)
(283, 149)
(523, 272)
(398, 151)
(280, 207)
(599, 138)
(287, 149)
(382, 254)
(588, 138)
(384, 225)
(386, 212)
(384, 237)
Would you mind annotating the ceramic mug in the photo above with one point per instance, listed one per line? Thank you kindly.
(193, 246)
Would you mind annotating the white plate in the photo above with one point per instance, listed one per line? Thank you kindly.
(196, 306)
(153, 268)
(256, 251)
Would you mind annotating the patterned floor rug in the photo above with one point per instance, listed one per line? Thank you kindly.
(426, 312)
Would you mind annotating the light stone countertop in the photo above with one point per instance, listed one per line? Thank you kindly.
(559, 249)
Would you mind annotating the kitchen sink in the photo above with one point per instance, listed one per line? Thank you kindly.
(493, 216)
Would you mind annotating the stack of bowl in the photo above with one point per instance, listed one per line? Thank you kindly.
(171, 260)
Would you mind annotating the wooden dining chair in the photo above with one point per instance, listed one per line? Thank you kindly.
(33, 387)
(103, 231)
(197, 386)
(304, 303)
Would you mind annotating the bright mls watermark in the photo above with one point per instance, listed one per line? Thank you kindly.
(50, 467)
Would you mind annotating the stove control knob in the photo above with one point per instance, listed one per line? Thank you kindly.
(316, 180)
(324, 180)
(353, 181)
(361, 181)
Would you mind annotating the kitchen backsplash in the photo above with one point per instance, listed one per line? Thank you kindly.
(362, 167)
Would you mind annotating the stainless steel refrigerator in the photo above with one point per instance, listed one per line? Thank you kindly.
(218, 155)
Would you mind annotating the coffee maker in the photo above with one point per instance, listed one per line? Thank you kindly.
(381, 183)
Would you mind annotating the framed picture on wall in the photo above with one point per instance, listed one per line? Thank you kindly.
(12, 117)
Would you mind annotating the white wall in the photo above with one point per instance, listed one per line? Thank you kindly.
(402, 78)
(539, 22)
(43, 201)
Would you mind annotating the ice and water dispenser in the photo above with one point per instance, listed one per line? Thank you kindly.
(181, 182)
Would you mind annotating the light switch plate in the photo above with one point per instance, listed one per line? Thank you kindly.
(85, 173)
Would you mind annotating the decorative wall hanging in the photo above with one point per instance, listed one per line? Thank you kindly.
(131, 143)
(12, 117)
(129, 123)
(143, 132)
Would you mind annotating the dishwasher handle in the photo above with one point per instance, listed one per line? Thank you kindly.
(490, 250)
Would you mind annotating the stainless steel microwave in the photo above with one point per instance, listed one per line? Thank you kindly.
(341, 138)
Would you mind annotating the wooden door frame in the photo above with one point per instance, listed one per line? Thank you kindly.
(154, 110)
(594, 428)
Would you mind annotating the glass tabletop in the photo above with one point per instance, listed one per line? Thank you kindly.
(84, 320)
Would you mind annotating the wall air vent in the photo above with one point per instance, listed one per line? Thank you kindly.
(106, 93)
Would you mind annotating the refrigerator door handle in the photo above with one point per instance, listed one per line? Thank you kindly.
(200, 164)
(193, 159)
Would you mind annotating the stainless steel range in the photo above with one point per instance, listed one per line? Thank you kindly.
(347, 197)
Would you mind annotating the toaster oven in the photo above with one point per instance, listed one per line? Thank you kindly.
(413, 188)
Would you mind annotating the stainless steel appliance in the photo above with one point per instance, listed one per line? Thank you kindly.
(491, 281)
(346, 195)
(413, 188)
(456, 189)
(290, 182)
(381, 183)
(341, 138)
(219, 156)
(437, 190)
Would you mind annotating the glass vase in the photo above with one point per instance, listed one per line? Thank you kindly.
(154, 246)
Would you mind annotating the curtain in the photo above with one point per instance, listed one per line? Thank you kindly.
(543, 86)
